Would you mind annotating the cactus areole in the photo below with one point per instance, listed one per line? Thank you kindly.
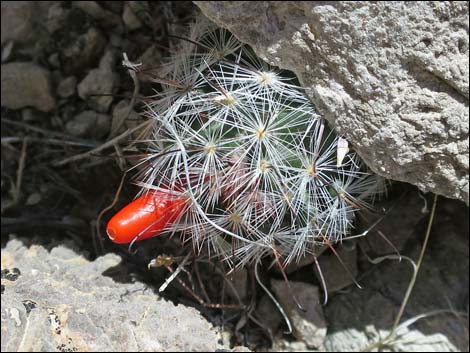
(255, 168)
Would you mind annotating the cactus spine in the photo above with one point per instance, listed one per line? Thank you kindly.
(261, 170)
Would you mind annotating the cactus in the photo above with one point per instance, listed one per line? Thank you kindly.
(260, 172)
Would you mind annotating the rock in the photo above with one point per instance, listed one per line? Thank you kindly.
(268, 314)
(361, 317)
(289, 346)
(27, 114)
(116, 41)
(113, 6)
(16, 21)
(150, 60)
(392, 79)
(336, 275)
(67, 87)
(54, 60)
(33, 199)
(7, 51)
(348, 316)
(305, 260)
(308, 326)
(56, 17)
(79, 51)
(57, 300)
(102, 16)
(102, 81)
(120, 112)
(239, 285)
(240, 349)
(150, 56)
(21, 21)
(89, 123)
(130, 19)
(397, 226)
(444, 273)
(26, 84)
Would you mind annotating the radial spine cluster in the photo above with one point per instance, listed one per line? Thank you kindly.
(261, 170)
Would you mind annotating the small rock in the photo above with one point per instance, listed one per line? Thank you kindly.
(16, 21)
(82, 51)
(89, 123)
(28, 115)
(120, 112)
(67, 87)
(113, 6)
(150, 58)
(102, 126)
(56, 17)
(239, 279)
(305, 260)
(336, 276)
(117, 41)
(225, 337)
(54, 60)
(268, 314)
(362, 317)
(104, 17)
(130, 19)
(397, 226)
(289, 346)
(308, 326)
(7, 51)
(350, 315)
(33, 199)
(100, 81)
(26, 84)
(24, 24)
(240, 349)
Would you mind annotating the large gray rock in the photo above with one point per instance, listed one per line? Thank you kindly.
(392, 77)
(58, 301)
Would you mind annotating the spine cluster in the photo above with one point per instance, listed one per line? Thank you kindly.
(261, 171)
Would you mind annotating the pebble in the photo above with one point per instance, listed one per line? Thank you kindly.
(336, 275)
(26, 84)
(268, 314)
(100, 81)
(120, 111)
(308, 326)
(130, 19)
(104, 17)
(89, 123)
(82, 51)
(67, 87)
(17, 21)
(397, 225)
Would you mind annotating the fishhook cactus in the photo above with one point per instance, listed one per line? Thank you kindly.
(241, 146)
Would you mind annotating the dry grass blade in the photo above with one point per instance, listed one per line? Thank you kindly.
(393, 332)
(105, 145)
